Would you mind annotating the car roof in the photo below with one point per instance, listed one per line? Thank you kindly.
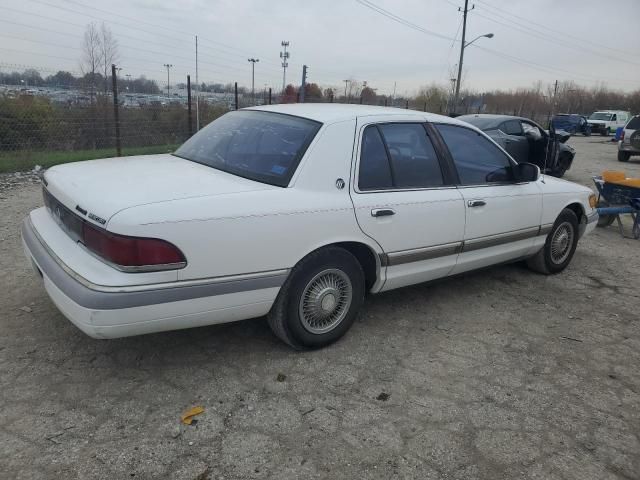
(336, 112)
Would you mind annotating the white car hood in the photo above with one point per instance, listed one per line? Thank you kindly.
(104, 187)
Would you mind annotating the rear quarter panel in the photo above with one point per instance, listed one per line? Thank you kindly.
(263, 230)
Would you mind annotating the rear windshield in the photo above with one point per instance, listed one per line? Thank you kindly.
(634, 124)
(261, 146)
(600, 116)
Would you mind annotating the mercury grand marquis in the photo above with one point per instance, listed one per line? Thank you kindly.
(295, 212)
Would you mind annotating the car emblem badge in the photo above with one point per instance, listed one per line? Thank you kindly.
(339, 184)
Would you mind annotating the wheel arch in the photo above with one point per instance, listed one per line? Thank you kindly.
(368, 258)
(578, 209)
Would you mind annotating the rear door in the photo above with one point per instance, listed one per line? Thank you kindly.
(405, 199)
(502, 216)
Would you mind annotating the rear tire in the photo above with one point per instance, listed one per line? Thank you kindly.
(559, 247)
(320, 300)
(623, 156)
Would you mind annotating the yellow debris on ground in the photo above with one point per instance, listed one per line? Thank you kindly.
(187, 417)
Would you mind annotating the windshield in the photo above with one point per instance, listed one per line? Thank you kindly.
(262, 146)
(600, 116)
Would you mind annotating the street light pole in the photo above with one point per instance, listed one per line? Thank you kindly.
(168, 65)
(253, 77)
(464, 44)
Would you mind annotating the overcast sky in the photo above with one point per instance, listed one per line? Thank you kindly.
(588, 41)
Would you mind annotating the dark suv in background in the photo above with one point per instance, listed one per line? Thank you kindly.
(629, 143)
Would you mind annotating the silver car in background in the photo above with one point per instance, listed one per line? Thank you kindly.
(629, 143)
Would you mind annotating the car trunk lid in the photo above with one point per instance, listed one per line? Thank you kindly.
(98, 189)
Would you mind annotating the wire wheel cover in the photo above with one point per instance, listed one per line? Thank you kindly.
(325, 301)
(561, 242)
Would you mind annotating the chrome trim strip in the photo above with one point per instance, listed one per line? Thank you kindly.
(423, 253)
(110, 298)
(545, 229)
(593, 217)
(499, 239)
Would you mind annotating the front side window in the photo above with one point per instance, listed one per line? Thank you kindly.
(477, 160)
(398, 155)
(262, 146)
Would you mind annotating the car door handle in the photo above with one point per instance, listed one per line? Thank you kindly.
(476, 203)
(382, 212)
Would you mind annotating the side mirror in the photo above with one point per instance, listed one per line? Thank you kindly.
(526, 172)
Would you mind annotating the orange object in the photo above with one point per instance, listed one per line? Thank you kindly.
(187, 417)
(613, 176)
(620, 178)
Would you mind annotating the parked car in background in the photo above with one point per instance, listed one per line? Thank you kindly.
(572, 123)
(526, 141)
(607, 122)
(295, 212)
(629, 143)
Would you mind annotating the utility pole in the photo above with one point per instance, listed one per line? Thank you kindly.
(168, 65)
(462, 45)
(116, 113)
(128, 75)
(346, 82)
(285, 57)
(304, 83)
(197, 89)
(253, 77)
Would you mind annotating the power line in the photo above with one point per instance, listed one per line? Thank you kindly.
(395, 18)
(563, 33)
(398, 19)
(554, 40)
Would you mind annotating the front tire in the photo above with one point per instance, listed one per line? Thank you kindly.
(623, 156)
(320, 300)
(606, 132)
(559, 247)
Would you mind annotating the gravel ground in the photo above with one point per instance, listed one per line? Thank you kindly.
(499, 374)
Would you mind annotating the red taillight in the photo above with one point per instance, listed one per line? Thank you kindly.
(622, 135)
(132, 253)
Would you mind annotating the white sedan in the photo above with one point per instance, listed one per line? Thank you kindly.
(295, 212)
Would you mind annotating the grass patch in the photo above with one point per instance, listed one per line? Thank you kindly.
(26, 160)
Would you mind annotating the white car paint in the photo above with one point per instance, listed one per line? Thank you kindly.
(239, 234)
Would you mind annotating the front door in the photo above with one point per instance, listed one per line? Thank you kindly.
(405, 199)
(502, 216)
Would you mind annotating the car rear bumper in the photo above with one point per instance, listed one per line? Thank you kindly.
(627, 147)
(110, 312)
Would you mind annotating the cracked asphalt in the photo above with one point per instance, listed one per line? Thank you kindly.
(498, 374)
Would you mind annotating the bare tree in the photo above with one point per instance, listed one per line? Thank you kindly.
(90, 62)
(108, 52)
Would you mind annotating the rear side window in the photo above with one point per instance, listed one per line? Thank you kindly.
(512, 127)
(634, 124)
(261, 146)
(375, 171)
(398, 155)
(413, 158)
(477, 160)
